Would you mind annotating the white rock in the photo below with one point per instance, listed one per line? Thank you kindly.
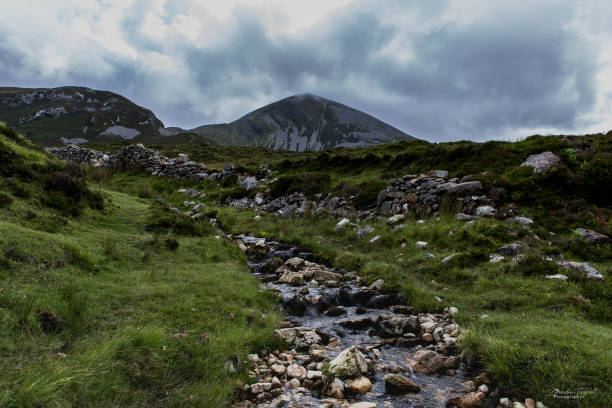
(495, 258)
(373, 240)
(542, 163)
(341, 224)
(485, 211)
(396, 218)
(584, 267)
(557, 276)
(377, 284)
(421, 244)
(349, 363)
(453, 310)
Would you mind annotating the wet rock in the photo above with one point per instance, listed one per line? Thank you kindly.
(296, 371)
(542, 163)
(336, 389)
(349, 363)
(592, 236)
(363, 405)
(396, 326)
(398, 384)
(377, 284)
(277, 369)
(335, 311)
(317, 353)
(359, 385)
(582, 267)
(426, 362)
(473, 399)
(296, 306)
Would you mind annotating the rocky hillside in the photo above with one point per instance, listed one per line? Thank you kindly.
(303, 122)
(54, 116)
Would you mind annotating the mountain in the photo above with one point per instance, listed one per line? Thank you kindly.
(303, 122)
(70, 114)
(55, 116)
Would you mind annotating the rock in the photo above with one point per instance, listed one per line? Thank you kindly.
(336, 389)
(314, 374)
(296, 371)
(258, 388)
(398, 384)
(484, 388)
(517, 404)
(253, 358)
(317, 352)
(504, 402)
(335, 311)
(248, 183)
(299, 337)
(421, 244)
(428, 337)
(510, 249)
(377, 284)
(373, 240)
(542, 163)
(582, 267)
(428, 255)
(521, 220)
(349, 363)
(530, 403)
(287, 211)
(453, 310)
(396, 326)
(229, 167)
(473, 399)
(363, 404)
(359, 385)
(294, 383)
(426, 362)
(495, 258)
(341, 224)
(464, 217)
(485, 211)
(277, 369)
(592, 236)
(395, 219)
(449, 258)
(364, 231)
(438, 173)
(557, 276)
(467, 188)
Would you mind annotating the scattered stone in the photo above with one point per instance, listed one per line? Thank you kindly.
(336, 389)
(296, 371)
(377, 284)
(464, 217)
(421, 244)
(364, 231)
(396, 218)
(449, 258)
(521, 220)
(510, 249)
(495, 258)
(557, 276)
(341, 224)
(542, 163)
(453, 310)
(428, 255)
(373, 240)
(398, 384)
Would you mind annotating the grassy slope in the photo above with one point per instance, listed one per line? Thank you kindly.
(121, 294)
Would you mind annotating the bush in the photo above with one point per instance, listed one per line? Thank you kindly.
(5, 200)
(534, 265)
(368, 193)
(165, 221)
(309, 183)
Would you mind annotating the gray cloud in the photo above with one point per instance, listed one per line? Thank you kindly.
(430, 69)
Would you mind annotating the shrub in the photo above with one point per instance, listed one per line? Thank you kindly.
(165, 221)
(534, 265)
(309, 183)
(368, 193)
(5, 200)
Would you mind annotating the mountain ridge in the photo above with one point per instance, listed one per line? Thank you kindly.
(70, 114)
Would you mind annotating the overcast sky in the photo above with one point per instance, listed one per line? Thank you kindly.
(438, 70)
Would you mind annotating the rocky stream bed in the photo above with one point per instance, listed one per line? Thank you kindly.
(353, 345)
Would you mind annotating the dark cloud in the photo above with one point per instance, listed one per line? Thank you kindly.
(428, 68)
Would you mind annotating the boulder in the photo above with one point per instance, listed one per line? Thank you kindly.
(398, 384)
(296, 371)
(397, 325)
(592, 236)
(582, 267)
(473, 399)
(395, 219)
(342, 224)
(524, 221)
(426, 362)
(247, 182)
(299, 337)
(510, 249)
(349, 363)
(542, 163)
(359, 385)
(485, 211)
(365, 231)
(557, 276)
(464, 217)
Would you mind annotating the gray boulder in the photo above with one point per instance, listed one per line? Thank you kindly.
(582, 267)
(542, 163)
(592, 236)
(349, 363)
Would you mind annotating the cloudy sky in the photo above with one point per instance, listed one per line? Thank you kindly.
(439, 70)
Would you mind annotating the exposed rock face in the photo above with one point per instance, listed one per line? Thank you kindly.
(582, 267)
(542, 163)
(592, 236)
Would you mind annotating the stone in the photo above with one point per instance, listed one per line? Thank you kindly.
(363, 404)
(518, 404)
(592, 236)
(426, 362)
(524, 221)
(359, 385)
(373, 240)
(495, 258)
(438, 173)
(464, 217)
(449, 258)
(504, 402)
(299, 337)
(428, 255)
(542, 163)
(317, 353)
(557, 276)
(229, 167)
(582, 267)
(510, 249)
(294, 383)
(287, 211)
(349, 363)
(296, 371)
(258, 388)
(483, 388)
(453, 310)
(396, 326)
(377, 284)
(530, 403)
(421, 244)
(277, 369)
(364, 231)
(485, 211)
(248, 183)
(428, 337)
(472, 399)
(395, 219)
(335, 311)
(398, 384)
(342, 224)
(314, 374)
(253, 358)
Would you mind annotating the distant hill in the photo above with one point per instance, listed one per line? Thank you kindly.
(70, 114)
(303, 122)
(55, 116)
